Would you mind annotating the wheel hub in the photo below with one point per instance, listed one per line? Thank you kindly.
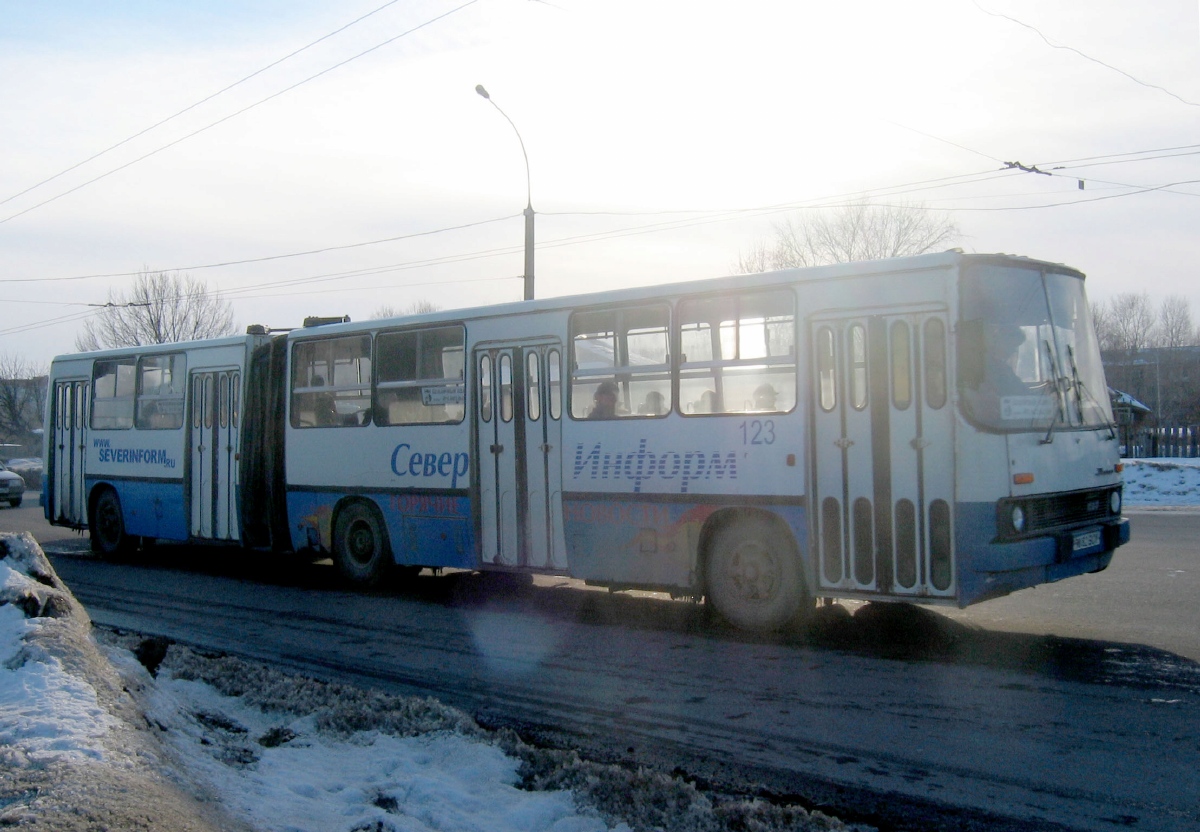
(753, 572)
(362, 543)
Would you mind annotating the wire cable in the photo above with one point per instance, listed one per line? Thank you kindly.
(237, 113)
(204, 100)
(1086, 56)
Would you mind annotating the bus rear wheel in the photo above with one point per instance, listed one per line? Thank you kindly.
(107, 527)
(360, 546)
(753, 576)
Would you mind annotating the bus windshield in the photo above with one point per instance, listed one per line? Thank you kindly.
(1028, 359)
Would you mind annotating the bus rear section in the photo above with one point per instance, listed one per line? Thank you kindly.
(143, 443)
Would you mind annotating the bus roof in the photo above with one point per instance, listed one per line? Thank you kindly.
(923, 262)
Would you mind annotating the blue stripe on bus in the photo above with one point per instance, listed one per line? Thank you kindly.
(424, 529)
(153, 509)
(650, 540)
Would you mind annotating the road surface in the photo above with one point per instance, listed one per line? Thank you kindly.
(898, 717)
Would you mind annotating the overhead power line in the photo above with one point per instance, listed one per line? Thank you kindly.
(204, 100)
(238, 112)
(1086, 56)
(266, 258)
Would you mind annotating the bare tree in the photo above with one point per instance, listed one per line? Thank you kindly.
(1102, 319)
(1175, 327)
(417, 307)
(160, 308)
(1133, 321)
(861, 231)
(22, 396)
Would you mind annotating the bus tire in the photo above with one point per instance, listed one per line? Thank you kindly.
(15, 502)
(107, 527)
(752, 576)
(360, 545)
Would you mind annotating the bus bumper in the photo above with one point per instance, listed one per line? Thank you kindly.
(1006, 567)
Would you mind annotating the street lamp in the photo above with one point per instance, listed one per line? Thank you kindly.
(528, 198)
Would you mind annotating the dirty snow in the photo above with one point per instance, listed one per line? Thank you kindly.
(290, 754)
(46, 714)
(174, 739)
(1162, 483)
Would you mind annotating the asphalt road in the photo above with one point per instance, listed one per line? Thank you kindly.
(899, 717)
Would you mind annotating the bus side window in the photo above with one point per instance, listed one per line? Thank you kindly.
(554, 393)
(623, 353)
(112, 394)
(935, 363)
(738, 353)
(826, 369)
(161, 382)
(420, 376)
(331, 382)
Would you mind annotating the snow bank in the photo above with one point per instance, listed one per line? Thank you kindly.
(292, 753)
(156, 736)
(1162, 482)
(74, 750)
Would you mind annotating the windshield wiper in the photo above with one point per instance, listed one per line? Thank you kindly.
(1059, 409)
(1081, 390)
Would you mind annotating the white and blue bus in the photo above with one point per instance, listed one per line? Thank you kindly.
(933, 429)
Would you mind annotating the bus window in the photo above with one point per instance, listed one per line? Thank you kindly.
(553, 369)
(224, 401)
(112, 394)
(738, 353)
(235, 396)
(858, 366)
(935, 363)
(485, 387)
(622, 351)
(506, 391)
(197, 399)
(901, 366)
(161, 380)
(331, 382)
(420, 380)
(533, 387)
(826, 369)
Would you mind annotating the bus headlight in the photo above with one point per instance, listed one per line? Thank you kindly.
(1018, 519)
(1114, 502)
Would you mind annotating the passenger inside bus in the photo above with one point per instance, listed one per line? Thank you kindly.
(604, 401)
(323, 406)
(765, 397)
(654, 405)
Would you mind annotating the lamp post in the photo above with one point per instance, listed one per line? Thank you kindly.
(528, 198)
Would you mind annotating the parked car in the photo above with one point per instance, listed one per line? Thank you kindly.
(29, 469)
(12, 487)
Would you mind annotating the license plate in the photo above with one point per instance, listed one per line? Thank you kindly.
(1086, 540)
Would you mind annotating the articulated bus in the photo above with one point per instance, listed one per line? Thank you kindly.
(933, 429)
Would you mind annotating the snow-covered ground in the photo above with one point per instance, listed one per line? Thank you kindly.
(136, 734)
(90, 737)
(1162, 483)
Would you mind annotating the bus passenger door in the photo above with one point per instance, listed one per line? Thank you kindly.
(69, 446)
(518, 435)
(883, 439)
(215, 405)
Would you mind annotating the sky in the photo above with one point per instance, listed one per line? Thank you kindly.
(663, 137)
(317, 781)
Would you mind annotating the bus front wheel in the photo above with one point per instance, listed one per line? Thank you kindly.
(107, 527)
(753, 576)
(360, 546)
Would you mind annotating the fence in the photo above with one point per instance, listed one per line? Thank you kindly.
(1180, 441)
